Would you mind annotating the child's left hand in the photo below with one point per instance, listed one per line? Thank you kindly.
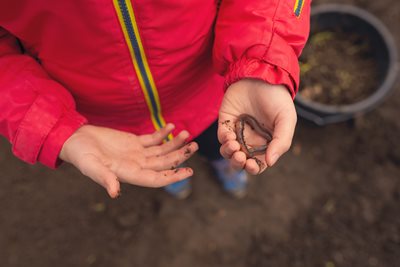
(272, 106)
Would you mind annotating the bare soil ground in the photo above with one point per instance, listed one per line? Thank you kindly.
(333, 200)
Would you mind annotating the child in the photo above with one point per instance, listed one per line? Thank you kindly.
(96, 84)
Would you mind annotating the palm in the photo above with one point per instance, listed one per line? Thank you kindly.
(108, 157)
(270, 105)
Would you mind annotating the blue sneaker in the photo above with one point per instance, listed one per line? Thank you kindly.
(180, 190)
(234, 182)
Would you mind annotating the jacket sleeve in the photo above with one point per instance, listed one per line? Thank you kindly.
(37, 115)
(261, 39)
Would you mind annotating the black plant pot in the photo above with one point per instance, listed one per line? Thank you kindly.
(352, 19)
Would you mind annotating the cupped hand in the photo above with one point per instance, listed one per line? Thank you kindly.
(273, 108)
(109, 157)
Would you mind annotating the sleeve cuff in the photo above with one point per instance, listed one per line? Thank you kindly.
(258, 69)
(43, 131)
(274, 64)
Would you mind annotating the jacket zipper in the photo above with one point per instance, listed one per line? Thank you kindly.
(130, 29)
(298, 7)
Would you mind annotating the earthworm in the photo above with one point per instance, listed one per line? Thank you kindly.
(255, 125)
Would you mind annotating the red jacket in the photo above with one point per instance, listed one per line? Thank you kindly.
(134, 65)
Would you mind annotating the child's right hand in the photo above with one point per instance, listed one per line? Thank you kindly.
(109, 157)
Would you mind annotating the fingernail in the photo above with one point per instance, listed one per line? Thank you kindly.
(184, 132)
(186, 169)
(274, 159)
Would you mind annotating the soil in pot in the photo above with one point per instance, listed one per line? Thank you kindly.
(338, 68)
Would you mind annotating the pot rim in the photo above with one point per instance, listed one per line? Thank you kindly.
(337, 111)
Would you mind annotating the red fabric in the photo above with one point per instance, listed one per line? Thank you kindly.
(261, 39)
(75, 66)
